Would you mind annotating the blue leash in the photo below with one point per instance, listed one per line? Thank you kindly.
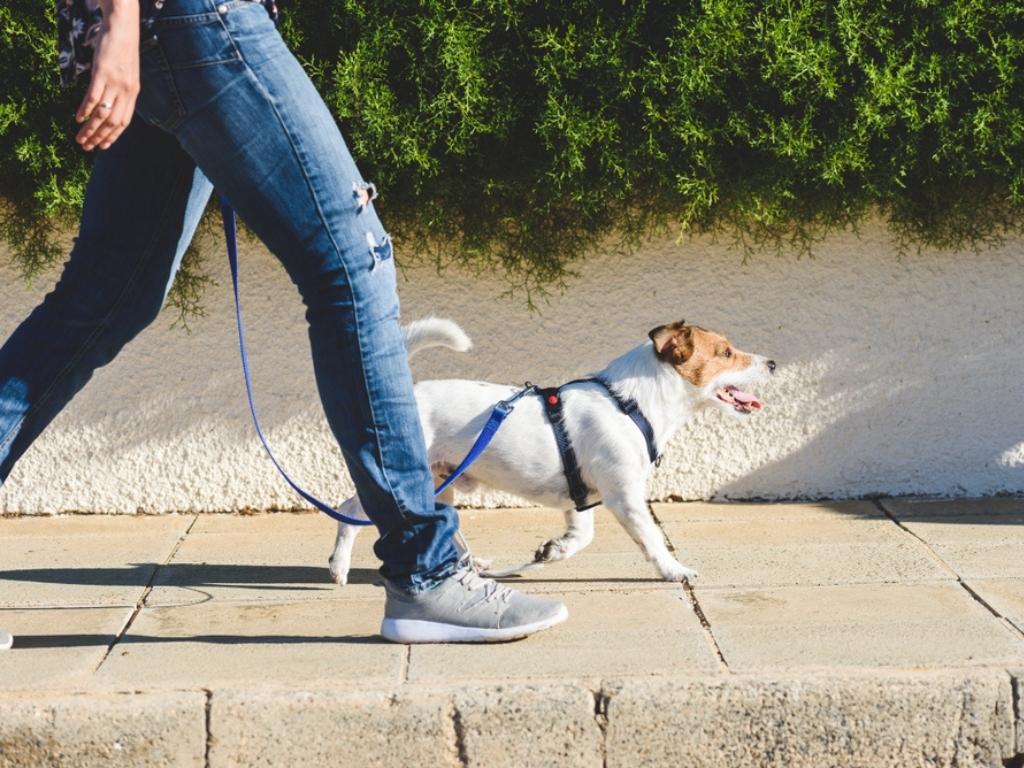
(498, 415)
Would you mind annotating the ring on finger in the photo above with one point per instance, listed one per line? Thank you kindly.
(106, 105)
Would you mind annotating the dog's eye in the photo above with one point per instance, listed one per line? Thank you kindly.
(727, 352)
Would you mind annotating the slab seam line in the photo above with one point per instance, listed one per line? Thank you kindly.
(601, 701)
(959, 579)
(458, 734)
(145, 593)
(209, 732)
(705, 625)
(404, 663)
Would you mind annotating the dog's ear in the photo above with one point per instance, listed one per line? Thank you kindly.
(672, 342)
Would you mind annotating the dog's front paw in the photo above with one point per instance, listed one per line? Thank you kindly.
(551, 550)
(339, 571)
(676, 571)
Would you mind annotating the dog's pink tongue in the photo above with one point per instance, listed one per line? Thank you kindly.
(745, 398)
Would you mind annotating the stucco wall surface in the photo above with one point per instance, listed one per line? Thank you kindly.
(898, 375)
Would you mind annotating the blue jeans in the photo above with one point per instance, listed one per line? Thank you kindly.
(224, 102)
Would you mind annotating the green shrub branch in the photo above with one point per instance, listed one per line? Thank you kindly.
(517, 136)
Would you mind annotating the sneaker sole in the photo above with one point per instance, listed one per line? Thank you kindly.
(6, 641)
(415, 631)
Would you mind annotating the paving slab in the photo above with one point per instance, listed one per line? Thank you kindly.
(218, 643)
(976, 545)
(940, 721)
(603, 636)
(876, 625)
(812, 550)
(775, 533)
(311, 523)
(83, 561)
(76, 526)
(336, 728)
(263, 565)
(905, 509)
(744, 512)
(141, 730)
(57, 648)
(1005, 595)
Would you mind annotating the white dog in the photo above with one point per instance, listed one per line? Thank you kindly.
(679, 370)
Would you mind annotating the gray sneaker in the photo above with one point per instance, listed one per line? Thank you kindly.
(466, 608)
(6, 640)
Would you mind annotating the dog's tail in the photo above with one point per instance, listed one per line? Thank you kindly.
(435, 332)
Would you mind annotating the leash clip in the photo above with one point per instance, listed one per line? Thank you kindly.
(507, 406)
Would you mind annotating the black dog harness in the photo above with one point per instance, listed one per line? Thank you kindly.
(552, 399)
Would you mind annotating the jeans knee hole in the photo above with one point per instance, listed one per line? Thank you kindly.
(380, 250)
(364, 193)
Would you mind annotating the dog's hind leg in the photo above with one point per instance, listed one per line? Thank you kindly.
(341, 558)
(630, 509)
(579, 532)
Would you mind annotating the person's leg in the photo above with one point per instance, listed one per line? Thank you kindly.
(247, 113)
(142, 204)
(254, 123)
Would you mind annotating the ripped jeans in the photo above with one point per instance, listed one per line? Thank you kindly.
(225, 103)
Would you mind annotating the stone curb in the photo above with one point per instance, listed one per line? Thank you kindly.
(962, 718)
(91, 729)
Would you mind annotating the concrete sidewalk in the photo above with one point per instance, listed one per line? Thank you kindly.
(846, 634)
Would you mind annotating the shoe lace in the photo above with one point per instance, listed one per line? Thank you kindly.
(468, 577)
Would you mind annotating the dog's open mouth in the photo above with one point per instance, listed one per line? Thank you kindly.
(738, 399)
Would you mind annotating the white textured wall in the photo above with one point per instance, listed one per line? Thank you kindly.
(897, 376)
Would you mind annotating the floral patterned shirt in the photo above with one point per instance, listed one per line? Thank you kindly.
(78, 24)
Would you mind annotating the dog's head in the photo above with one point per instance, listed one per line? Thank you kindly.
(712, 366)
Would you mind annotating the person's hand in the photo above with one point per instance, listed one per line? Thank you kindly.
(109, 102)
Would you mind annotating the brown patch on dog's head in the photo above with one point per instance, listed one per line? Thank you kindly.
(697, 354)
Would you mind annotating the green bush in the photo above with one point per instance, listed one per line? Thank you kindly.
(518, 135)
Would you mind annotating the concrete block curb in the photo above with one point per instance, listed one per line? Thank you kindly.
(138, 730)
(957, 718)
(872, 721)
(498, 726)
(364, 728)
(521, 725)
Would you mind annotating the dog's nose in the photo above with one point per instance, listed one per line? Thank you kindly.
(771, 365)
